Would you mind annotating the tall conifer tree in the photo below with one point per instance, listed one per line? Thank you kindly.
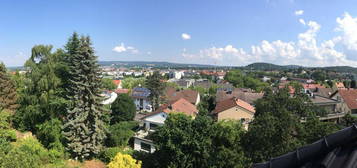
(8, 96)
(84, 128)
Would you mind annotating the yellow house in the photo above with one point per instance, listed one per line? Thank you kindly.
(234, 109)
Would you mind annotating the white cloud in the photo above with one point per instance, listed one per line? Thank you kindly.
(348, 26)
(302, 21)
(185, 36)
(121, 48)
(305, 51)
(299, 12)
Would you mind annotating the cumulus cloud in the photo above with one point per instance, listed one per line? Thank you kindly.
(299, 12)
(348, 26)
(185, 36)
(304, 51)
(121, 48)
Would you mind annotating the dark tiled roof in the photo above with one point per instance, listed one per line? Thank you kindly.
(338, 150)
(140, 92)
(324, 92)
(246, 95)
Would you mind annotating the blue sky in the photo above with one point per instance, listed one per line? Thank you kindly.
(222, 32)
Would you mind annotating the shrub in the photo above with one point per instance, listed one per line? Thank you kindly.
(49, 134)
(124, 161)
(28, 153)
(109, 153)
(120, 133)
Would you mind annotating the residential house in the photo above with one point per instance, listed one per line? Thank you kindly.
(151, 121)
(244, 94)
(330, 106)
(141, 99)
(190, 95)
(348, 97)
(234, 109)
(183, 83)
(204, 83)
(109, 97)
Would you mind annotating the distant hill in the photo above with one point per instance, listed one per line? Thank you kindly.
(268, 66)
(152, 64)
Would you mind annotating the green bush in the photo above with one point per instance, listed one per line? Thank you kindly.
(28, 153)
(8, 134)
(109, 153)
(49, 134)
(120, 133)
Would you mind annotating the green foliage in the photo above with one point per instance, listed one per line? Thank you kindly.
(8, 96)
(130, 82)
(206, 105)
(314, 129)
(42, 98)
(348, 120)
(108, 84)
(183, 142)
(5, 119)
(109, 153)
(84, 128)
(240, 80)
(120, 133)
(277, 127)
(28, 153)
(156, 87)
(49, 134)
(319, 75)
(123, 109)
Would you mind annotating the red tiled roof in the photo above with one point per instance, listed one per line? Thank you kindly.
(121, 91)
(233, 102)
(180, 105)
(350, 97)
(313, 86)
(116, 82)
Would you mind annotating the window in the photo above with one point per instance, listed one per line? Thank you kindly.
(153, 126)
(145, 146)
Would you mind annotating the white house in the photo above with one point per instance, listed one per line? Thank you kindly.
(156, 119)
(141, 99)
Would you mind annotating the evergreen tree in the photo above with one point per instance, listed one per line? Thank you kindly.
(84, 129)
(157, 87)
(8, 95)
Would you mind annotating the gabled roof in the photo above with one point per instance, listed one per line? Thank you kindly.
(336, 150)
(180, 105)
(189, 95)
(246, 95)
(233, 102)
(350, 97)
